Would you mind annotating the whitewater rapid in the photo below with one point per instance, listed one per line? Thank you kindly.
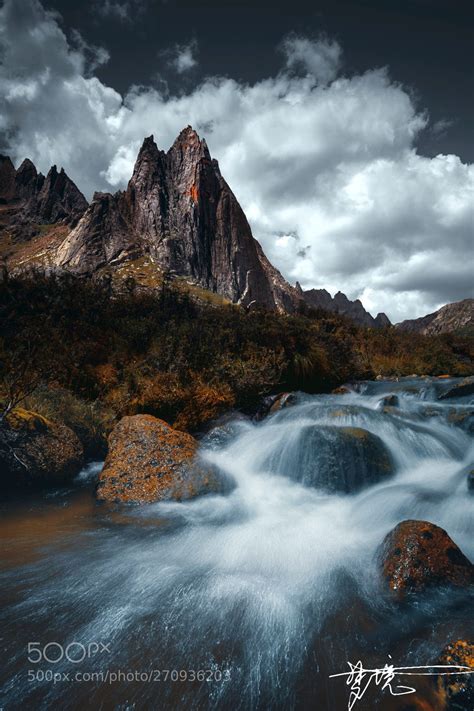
(251, 581)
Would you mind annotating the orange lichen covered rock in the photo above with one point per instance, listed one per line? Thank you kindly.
(456, 691)
(150, 461)
(417, 555)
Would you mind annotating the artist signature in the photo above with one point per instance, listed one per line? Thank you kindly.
(359, 678)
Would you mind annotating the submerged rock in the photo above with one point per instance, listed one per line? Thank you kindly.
(456, 692)
(333, 458)
(390, 401)
(465, 387)
(463, 419)
(417, 555)
(150, 461)
(36, 451)
(470, 481)
(224, 430)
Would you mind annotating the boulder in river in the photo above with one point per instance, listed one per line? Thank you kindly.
(341, 390)
(456, 691)
(283, 401)
(390, 401)
(149, 461)
(465, 387)
(470, 481)
(333, 458)
(35, 451)
(417, 555)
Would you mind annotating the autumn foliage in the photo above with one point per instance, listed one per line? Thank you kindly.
(74, 351)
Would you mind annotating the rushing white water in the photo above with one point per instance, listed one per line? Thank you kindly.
(251, 581)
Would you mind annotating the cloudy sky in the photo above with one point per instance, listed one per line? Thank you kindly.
(344, 128)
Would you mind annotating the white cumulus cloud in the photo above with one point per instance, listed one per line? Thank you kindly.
(325, 165)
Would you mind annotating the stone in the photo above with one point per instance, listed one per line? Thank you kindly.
(461, 389)
(341, 390)
(36, 452)
(470, 481)
(332, 458)
(418, 555)
(390, 401)
(456, 692)
(150, 461)
(283, 401)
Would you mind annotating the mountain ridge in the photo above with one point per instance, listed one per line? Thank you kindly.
(449, 318)
(177, 211)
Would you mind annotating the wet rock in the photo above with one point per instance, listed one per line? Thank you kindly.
(456, 692)
(341, 390)
(150, 461)
(462, 389)
(463, 419)
(390, 401)
(223, 430)
(417, 555)
(274, 403)
(335, 459)
(35, 451)
(283, 401)
(470, 481)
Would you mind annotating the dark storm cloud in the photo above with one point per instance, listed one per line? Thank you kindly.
(122, 10)
(309, 152)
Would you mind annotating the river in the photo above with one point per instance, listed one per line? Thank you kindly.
(246, 600)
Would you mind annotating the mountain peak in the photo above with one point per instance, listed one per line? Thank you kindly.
(321, 299)
(27, 168)
(189, 144)
(178, 210)
(7, 179)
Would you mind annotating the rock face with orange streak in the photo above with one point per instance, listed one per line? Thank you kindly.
(179, 210)
(417, 555)
(150, 461)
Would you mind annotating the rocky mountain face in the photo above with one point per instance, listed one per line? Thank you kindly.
(179, 211)
(449, 318)
(322, 299)
(29, 200)
(177, 215)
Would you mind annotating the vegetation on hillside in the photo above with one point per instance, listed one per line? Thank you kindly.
(73, 351)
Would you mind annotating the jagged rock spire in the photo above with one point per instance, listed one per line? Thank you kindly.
(179, 210)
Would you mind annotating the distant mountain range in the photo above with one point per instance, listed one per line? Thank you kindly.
(177, 216)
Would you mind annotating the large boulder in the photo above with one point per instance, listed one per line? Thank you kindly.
(36, 451)
(332, 458)
(456, 691)
(417, 555)
(150, 461)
